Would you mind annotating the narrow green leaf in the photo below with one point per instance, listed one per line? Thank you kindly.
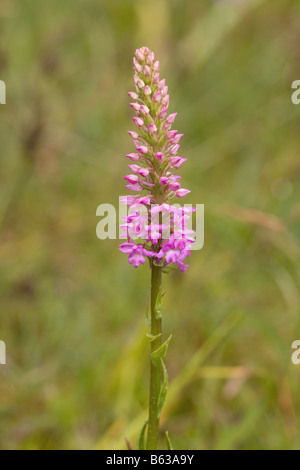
(160, 353)
(169, 443)
(163, 390)
(152, 338)
(158, 306)
(142, 441)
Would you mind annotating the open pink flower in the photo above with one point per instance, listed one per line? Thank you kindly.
(137, 253)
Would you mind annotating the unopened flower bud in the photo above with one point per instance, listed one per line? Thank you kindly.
(174, 149)
(140, 55)
(133, 95)
(152, 129)
(134, 168)
(182, 192)
(144, 172)
(156, 78)
(150, 58)
(138, 121)
(162, 113)
(171, 118)
(140, 83)
(132, 179)
(156, 66)
(135, 106)
(134, 135)
(134, 157)
(136, 66)
(166, 101)
(147, 71)
(144, 110)
(171, 134)
(142, 149)
(177, 162)
(156, 97)
(177, 139)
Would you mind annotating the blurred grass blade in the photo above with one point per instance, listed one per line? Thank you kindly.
(169, 443)
(233, 436)
(211, 29)
(163, 390)
(191, 369)
(114, 437)
(142, 438)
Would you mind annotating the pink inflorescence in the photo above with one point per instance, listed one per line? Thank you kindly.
(154, 228)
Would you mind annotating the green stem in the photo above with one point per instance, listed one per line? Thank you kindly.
(156, 370)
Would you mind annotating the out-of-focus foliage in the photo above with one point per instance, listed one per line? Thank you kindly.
(72, 310)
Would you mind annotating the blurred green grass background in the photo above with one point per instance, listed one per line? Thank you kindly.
(72, 309)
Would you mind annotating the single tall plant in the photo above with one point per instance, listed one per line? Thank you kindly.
(154, 228)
